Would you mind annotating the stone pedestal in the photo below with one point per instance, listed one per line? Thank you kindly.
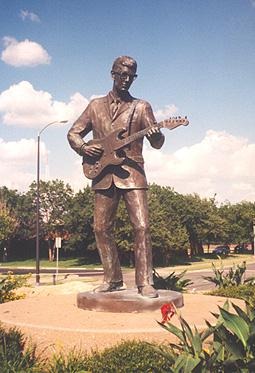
(127, 301)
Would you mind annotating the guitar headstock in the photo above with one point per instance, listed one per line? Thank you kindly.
(174, 122)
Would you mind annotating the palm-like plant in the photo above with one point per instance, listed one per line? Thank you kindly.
(234, 277)
(171, 282)
(231, 346)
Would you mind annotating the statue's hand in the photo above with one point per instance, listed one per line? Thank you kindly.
(156, 137)
(153, 131)
(93, 150)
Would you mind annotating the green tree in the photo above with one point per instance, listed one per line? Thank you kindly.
(240, 221)
(177, 222)
(124, 235)
(167, 231)
(202, 221)
(79, 222)
(55, 202)
(19, 205)
(8, 225)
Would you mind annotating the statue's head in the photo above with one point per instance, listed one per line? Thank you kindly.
(124, 61)
(123, 73)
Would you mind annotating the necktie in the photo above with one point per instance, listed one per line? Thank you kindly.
(114, 107)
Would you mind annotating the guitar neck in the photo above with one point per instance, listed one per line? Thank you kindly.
(135, 136)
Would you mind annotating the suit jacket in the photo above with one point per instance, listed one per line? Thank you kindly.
(97, 118)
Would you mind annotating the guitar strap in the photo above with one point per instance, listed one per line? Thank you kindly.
(130, 116)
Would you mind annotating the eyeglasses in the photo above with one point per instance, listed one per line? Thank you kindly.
(124, 76)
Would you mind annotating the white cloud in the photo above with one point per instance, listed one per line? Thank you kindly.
(166, 112)
(221, 163)
(22, 105)
(23, 53)
(76, 178)
(25, 14)
(18, 162)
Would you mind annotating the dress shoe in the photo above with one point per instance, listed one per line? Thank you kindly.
(109, 287)
(147, 291)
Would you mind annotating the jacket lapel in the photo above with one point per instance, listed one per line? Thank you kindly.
(123, 107)
(107, 103)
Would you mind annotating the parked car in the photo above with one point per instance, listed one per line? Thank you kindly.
(221, 250)
(241, 248)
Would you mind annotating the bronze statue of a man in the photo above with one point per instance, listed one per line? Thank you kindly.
(119, 111)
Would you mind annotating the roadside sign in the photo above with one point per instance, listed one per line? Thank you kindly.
(58, 242)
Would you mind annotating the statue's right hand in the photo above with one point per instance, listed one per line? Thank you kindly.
(93, 150)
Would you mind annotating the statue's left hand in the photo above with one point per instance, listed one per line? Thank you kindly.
(153, 131)
(155, 137)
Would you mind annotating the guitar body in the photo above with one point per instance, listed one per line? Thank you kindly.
(93, 166)
(117, 140)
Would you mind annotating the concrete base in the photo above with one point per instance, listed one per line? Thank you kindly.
(127, 301)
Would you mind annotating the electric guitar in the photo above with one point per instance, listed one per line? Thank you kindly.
(115, 141)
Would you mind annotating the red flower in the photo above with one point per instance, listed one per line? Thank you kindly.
(167, 311)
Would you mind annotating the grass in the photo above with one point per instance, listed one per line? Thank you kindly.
(45, 263)
(205, 262)
(193, 264)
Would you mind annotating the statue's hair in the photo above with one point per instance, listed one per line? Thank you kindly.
(124, 61)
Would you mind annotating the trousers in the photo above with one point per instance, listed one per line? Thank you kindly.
(105, 208)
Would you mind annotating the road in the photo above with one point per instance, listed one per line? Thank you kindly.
(197, 276)
(199, 283)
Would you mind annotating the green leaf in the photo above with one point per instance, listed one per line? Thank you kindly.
(178, 347)
(251, 340)
(219, 351)
(236, 324)
(241, 313)
(250, 311)
(187, 329)
(185, 363)
(207, 332)
(231, 343)
(174, 330)
(234, 365)
(252, 326)
(226, 305)
(197, 342)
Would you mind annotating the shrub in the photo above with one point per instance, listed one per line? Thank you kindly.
(130, 356)
(9, 283)
(245, 292)
(171, 282)
(14, 357)
(74, 362)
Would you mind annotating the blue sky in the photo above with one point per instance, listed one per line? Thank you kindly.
(194, 57)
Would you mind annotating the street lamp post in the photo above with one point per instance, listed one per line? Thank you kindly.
(253, 222)
(37, 271)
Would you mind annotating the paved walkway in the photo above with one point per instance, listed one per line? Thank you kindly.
(51, 318)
